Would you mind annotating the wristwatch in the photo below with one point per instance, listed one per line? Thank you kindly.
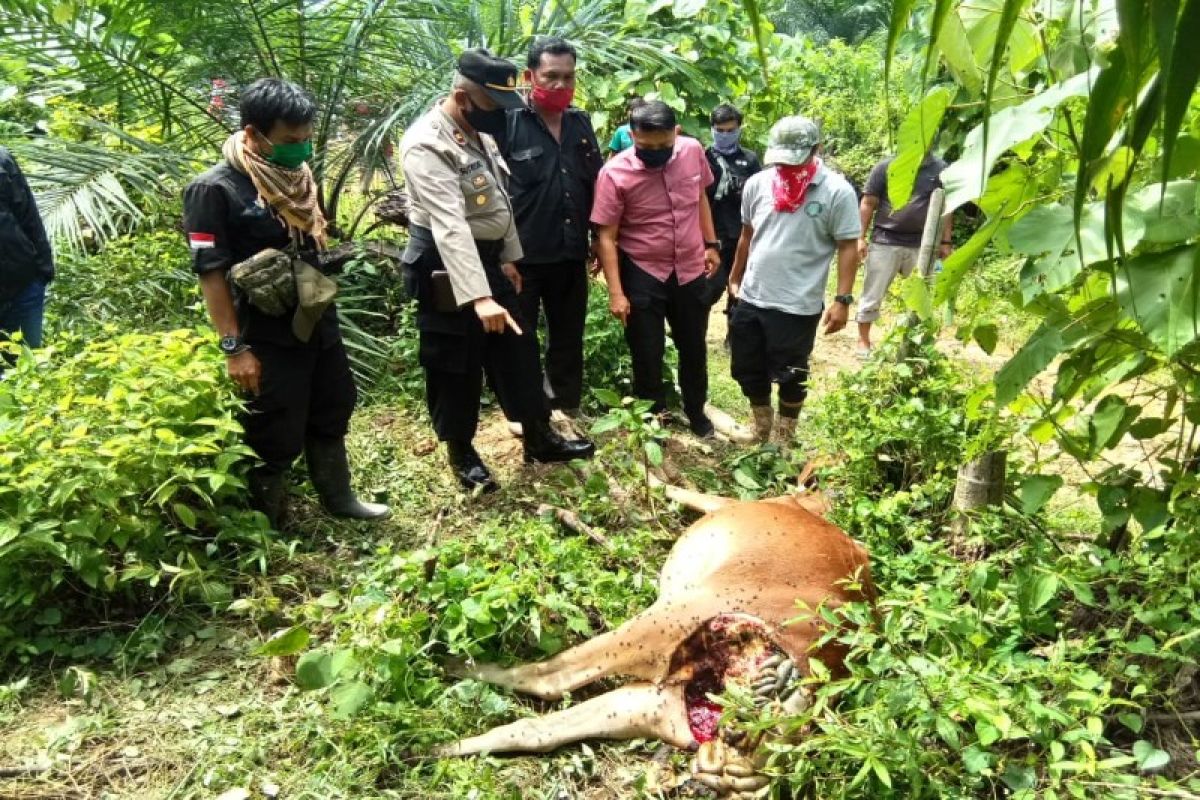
(844, 299)
(712, 245)
(233, 345)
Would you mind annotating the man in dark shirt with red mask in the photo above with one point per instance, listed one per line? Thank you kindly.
(554, 158)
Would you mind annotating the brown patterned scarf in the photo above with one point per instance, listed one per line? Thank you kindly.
(291, 193)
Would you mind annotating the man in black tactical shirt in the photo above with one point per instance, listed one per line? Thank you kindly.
(554, 158)
(290, 361)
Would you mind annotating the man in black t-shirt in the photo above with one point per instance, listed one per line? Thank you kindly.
(295, 373)
(895, 238)
(731, 166)
(26, 261)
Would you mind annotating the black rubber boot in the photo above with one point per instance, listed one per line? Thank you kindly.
(330, 473)
(469, 468)
(544, 445)
(268, 491)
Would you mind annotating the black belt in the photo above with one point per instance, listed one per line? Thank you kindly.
(420, 241)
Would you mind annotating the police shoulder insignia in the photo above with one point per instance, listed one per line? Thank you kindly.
(458, 137)
(479, 181)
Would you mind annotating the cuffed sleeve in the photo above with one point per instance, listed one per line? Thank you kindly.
(206, 224)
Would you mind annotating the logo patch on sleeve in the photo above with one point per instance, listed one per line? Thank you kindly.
(202, 241)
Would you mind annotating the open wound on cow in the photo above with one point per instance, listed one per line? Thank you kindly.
(726, 649)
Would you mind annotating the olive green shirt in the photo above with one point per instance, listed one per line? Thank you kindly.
(458, 187)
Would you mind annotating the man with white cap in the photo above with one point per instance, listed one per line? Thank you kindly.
(796, 215)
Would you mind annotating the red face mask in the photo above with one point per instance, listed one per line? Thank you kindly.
(553, 100)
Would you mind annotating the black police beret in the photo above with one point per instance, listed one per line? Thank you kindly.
(496, 75)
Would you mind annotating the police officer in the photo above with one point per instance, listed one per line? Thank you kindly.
(294, 368)
(460, 266)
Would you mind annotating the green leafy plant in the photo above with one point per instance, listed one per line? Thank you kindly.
(122, 478)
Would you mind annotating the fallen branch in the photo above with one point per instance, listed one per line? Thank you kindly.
(572, 521)
(1177, 793)
(23, 772)
(1182, 716)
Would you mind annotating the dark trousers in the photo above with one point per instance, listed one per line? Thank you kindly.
(770, 345)
(305, 391)
(561, 289)
(455, 350)
(718, 284)
(685, 307)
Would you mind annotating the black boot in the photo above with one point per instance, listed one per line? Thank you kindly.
(267, 493)
(544, 445)
(330, 473)
(468, 467)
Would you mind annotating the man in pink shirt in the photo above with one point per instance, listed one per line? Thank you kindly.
(657, 244)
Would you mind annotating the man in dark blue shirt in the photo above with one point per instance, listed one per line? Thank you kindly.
(732, 165)
(554, 158)
(26, 261)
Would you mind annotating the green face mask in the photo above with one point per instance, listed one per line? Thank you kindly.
(291, 154)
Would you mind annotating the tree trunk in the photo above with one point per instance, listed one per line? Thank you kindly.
(931, 239)
(980, 484)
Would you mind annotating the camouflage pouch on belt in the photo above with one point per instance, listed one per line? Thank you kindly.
(268, 281)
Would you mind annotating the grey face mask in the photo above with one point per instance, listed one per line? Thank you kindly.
(727, 142)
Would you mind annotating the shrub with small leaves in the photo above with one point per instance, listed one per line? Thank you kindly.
(121, 476)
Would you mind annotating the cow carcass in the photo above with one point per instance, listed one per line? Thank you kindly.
(730, 609)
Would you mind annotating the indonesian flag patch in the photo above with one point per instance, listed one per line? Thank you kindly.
(202, 241)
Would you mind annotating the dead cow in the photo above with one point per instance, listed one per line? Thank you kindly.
(728, 587)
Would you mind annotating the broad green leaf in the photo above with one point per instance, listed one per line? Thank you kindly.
(1019, 776)
(1035, 355)
(185, 514)
(1105, 422)
(960, 59)
(350, 698)
(286, 642)
(1134, 722)
(317, 669)
(1048, 234)
(1184, 72)
(915, 291)
(1169, 211)
(941, 11)
(965, 179)
(916, 136)
(1111, 97)
(1148, 756)
(1161, 293)
(986, 336)
(976, 760)
(682, 9)
(1009, 14)
(956, 266)
(897, 24)
(654, 453)
(1036, 490)
(1036, 590)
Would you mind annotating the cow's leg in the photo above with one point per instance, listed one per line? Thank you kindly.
(688, 498)
(639, 649)
(630, 712)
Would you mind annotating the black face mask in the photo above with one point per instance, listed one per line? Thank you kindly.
(654, 158)
(485, 121)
